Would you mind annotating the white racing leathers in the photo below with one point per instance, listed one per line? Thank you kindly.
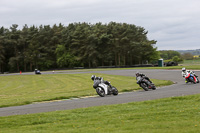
(186, 75)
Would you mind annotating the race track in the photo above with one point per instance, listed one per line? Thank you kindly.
(177, 89)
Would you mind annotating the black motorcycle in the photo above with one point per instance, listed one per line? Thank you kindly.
(37, 71)
(145, 84)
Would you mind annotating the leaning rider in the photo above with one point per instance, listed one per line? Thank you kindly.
(143, 76)
(185, 74)
(94, 78)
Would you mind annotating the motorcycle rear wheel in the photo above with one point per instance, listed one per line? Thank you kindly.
(100, 91)
(192, 80)
(114, 91)
(154, 88)
(197, 80)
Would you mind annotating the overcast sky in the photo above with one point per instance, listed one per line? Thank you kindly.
(175, 24)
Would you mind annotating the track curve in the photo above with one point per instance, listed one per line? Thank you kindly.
(178, 89)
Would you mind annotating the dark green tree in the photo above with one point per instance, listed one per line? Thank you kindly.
(76, 45)
(169, 54)
(64, 58)
(14, 42)
(2, 49)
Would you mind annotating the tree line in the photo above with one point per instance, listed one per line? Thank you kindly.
(76, 45)
(177, 56)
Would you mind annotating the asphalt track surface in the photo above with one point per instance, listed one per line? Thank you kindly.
(180, 88)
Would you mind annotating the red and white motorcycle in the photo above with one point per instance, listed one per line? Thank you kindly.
(191, 78)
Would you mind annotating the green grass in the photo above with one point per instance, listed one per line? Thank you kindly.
(194, 62)
(169, 115)
(180, 66)
(188, 64)
(26, 89)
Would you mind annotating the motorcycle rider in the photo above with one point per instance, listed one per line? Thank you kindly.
(185, 74)
(37, 71)
(138, 75)
(94, 78)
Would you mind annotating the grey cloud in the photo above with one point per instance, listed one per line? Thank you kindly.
(174, 24)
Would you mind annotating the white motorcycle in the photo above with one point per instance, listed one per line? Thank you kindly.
(104, 88)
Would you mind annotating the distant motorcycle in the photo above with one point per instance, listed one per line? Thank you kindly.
(103, 89)
(145, 84)
(191, 78)
(37, 71)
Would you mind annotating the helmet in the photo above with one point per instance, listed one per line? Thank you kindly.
(183, 69)
(137, 74)
(93, 77)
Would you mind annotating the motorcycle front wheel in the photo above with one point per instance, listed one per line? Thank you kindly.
(100, 91)
(144, 86)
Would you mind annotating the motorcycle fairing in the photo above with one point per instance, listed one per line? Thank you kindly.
(105, 87)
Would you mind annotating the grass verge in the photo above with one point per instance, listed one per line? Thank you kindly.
(176, 114)
(26, 89)
(179, 67)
